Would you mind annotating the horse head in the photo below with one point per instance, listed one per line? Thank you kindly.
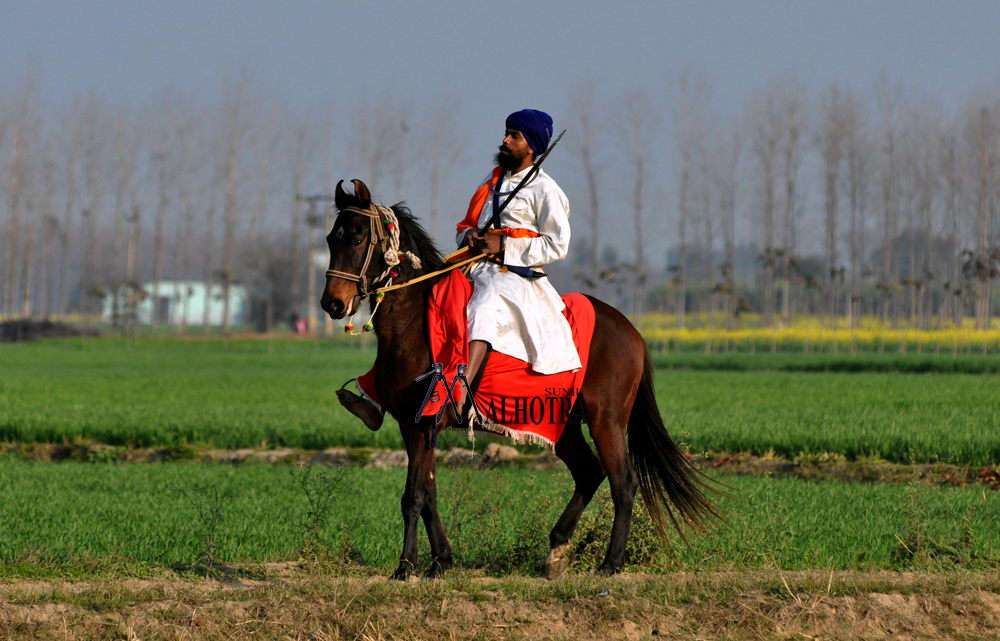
(350, 242)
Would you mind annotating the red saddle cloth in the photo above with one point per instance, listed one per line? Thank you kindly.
(513, 400)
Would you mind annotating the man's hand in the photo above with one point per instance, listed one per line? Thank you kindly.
(485, 243)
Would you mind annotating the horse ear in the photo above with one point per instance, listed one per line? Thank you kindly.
(364, 196)
(340, 198)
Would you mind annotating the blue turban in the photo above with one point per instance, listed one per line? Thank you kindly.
(535, 125)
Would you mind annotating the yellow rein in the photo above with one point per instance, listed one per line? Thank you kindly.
(389, 288)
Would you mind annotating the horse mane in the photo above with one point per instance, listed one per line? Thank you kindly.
(420, 241)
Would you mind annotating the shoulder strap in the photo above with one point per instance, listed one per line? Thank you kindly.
(496, 198)
(471, 220)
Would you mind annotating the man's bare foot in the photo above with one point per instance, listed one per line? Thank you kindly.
(361, 407)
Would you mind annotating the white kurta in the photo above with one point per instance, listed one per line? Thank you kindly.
(522, 317)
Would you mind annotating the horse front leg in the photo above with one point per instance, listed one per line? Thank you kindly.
(420, 500)
(440, 547)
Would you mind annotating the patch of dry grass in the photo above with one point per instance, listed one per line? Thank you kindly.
(295, 604)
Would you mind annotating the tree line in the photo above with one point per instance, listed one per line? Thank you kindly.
(838, 203)
(102, 198)
(841, 203)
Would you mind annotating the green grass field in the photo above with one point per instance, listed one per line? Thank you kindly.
(78, 519)
(201, 393)
(182, 392)
(894, 363)
(70, 513)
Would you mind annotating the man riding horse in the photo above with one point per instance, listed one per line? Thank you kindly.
(384, 254)
(514, 309)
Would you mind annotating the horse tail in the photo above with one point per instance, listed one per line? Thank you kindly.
(668, 481)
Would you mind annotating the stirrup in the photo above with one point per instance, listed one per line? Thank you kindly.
(359, 396)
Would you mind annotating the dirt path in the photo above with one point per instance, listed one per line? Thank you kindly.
(827, 467)
(296, 605)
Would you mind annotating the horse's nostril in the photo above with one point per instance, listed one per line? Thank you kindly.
(337, 306)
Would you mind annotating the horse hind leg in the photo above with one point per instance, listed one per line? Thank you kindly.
(608, 432)
(573, 450)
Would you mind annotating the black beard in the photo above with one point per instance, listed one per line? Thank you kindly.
(506, 161)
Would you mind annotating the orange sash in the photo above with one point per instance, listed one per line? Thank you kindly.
(471, 220)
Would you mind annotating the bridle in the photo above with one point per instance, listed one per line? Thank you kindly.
(385, 226)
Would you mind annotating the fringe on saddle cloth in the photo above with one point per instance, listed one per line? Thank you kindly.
(514, 400)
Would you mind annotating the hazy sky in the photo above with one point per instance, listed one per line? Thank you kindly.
(495, 57)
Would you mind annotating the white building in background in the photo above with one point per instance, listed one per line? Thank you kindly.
(186, 302)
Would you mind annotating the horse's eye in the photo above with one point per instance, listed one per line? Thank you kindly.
(358, 242)
(340, 233)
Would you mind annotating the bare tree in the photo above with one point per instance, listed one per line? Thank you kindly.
(235, 125)
(952, 174)
(330, 183)
(765, 120)
(11, 261)
(925, 135)
(134, 188)
(888, 97)
(983, 135)
(23, 133)
(302, 152)
(31, 214)
(72, 132)
(209, 247)
(132, 250)
(708, 219)
(208, 271)
(162, 162)
(856, 166)
(50, 226)
(640, 123)
(185, 131)
(692, 94)
(793, 107)
(269, 140)
(725, 176)
(134, 292)
(830, 141)
(582, 146)
(93, 153)
(5, 125)
(127, 146)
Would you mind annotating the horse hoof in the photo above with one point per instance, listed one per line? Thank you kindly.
(557, 562)
(436, 571)
(607, 570)
(401, 574)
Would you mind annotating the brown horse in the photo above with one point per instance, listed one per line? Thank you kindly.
(616, 397)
